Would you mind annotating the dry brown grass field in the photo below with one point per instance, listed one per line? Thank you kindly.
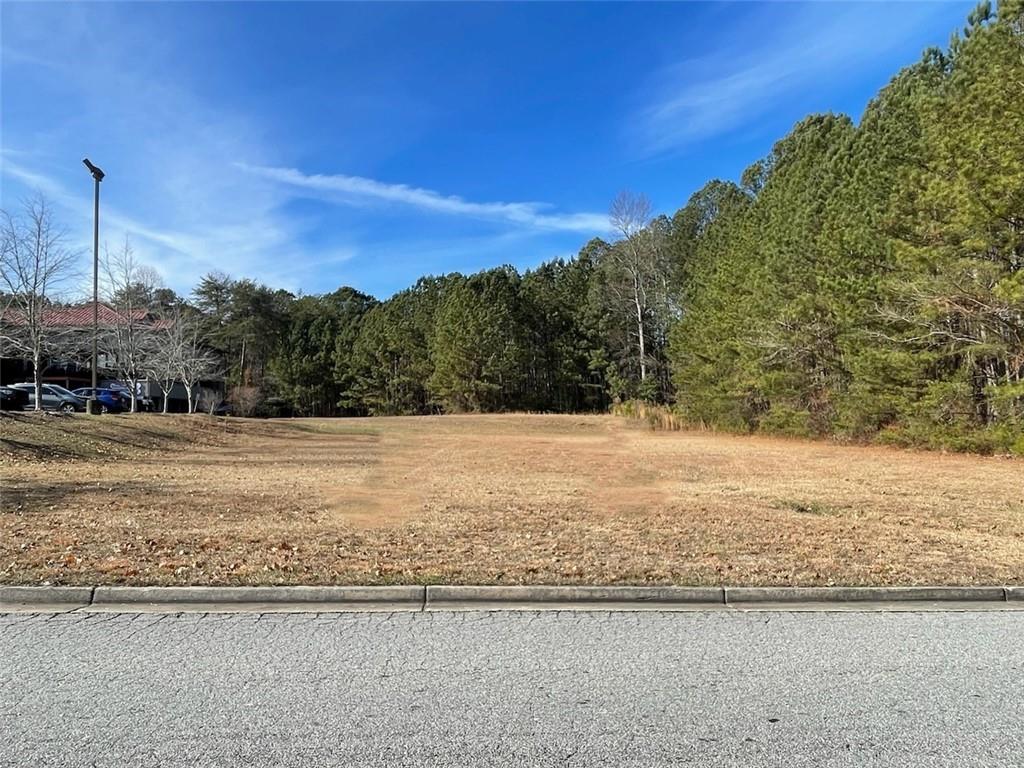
(489, 499)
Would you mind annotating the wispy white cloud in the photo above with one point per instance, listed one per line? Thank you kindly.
(181, 254)
(698, 110)
(175, 149)
(169, 153)
(344, 188)
(698, 98)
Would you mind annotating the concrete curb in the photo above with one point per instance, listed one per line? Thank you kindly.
(444, 597)
(70, 597)
(409, 597)
(448, 598)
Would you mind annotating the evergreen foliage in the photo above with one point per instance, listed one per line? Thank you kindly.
(864, 280)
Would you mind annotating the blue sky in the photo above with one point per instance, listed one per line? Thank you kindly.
(313, 145)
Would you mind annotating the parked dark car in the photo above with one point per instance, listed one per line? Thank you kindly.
(13, 399)
(55, 397)
(125, 394)
(108, 400)
(224, 409)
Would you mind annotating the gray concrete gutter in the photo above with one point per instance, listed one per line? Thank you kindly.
(487, 598)
(867, 598)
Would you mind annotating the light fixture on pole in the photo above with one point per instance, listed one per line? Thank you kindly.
(98, 175)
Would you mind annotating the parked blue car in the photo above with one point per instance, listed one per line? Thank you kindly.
(121, 391)
(108, 400)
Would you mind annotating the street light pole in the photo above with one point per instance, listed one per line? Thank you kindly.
(97, 175)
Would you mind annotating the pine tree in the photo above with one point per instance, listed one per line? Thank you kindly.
(477, 345)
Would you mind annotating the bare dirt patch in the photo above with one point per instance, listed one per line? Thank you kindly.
(489, 499)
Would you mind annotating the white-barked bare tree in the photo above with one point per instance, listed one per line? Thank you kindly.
(35, 264)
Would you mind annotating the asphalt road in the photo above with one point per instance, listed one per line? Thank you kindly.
(504, 689)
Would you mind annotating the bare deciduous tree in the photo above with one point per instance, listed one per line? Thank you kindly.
(162, 361)
(210, 399)
(195, 362)
(129, 288)
(637, 260)
(34, 264)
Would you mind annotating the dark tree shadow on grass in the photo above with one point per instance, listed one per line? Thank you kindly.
(22, 497)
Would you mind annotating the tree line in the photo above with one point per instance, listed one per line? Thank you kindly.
(868, 280)
(863, 280)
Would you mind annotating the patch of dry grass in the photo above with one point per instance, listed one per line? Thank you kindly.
(489, 499)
